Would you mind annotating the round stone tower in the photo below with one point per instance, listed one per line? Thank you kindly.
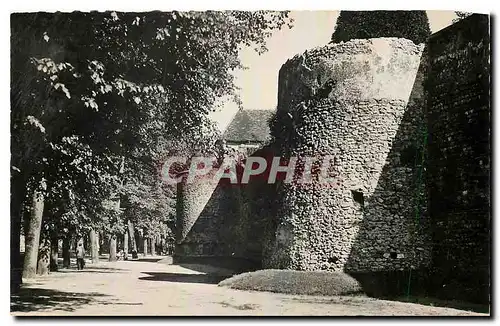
(361, 102)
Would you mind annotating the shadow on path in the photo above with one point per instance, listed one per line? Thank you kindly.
(91, 269)
(183, 278)
(209, 269)
(146, 260)
(33, 299)
(88, 271)
(434, 302)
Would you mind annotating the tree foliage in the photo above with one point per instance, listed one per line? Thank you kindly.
(98, 100)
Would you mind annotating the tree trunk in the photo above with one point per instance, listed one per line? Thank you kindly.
(113, 239)
(145, 246)
(100, 242)
(97, 244)
(153, 246)
(112, 248)
(43, 263)
(66, 252)
(125, 244)
(18, 189)
(133, 243)
(15, 254)
(94, 250)
(33, 234)
(54, 252)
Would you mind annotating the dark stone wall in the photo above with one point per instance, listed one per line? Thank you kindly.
(425, 225)
(459, 157)
(211, 220)
(225, 224)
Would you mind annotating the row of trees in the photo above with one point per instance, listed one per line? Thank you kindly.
(98, 100)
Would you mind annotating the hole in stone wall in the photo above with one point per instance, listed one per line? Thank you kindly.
(333, 259)
(394, 255)
(408, 156)
(358, 197)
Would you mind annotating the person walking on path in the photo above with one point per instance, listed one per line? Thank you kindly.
(80, 255)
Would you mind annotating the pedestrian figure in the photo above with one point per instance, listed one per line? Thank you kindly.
(80, 255)
(121, 255)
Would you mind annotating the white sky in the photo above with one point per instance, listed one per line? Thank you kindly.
(259, 84)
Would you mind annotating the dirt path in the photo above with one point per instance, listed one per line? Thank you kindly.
(150, 288)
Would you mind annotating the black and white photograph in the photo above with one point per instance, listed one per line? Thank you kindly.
(250, 163)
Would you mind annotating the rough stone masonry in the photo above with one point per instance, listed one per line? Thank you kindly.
(409, 127)
(459, 159)
(360, 102)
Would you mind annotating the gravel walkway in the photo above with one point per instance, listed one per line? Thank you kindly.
(141, 288)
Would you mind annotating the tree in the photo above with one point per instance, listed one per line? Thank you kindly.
(88, 89)
(33, 236)
(412, 25)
